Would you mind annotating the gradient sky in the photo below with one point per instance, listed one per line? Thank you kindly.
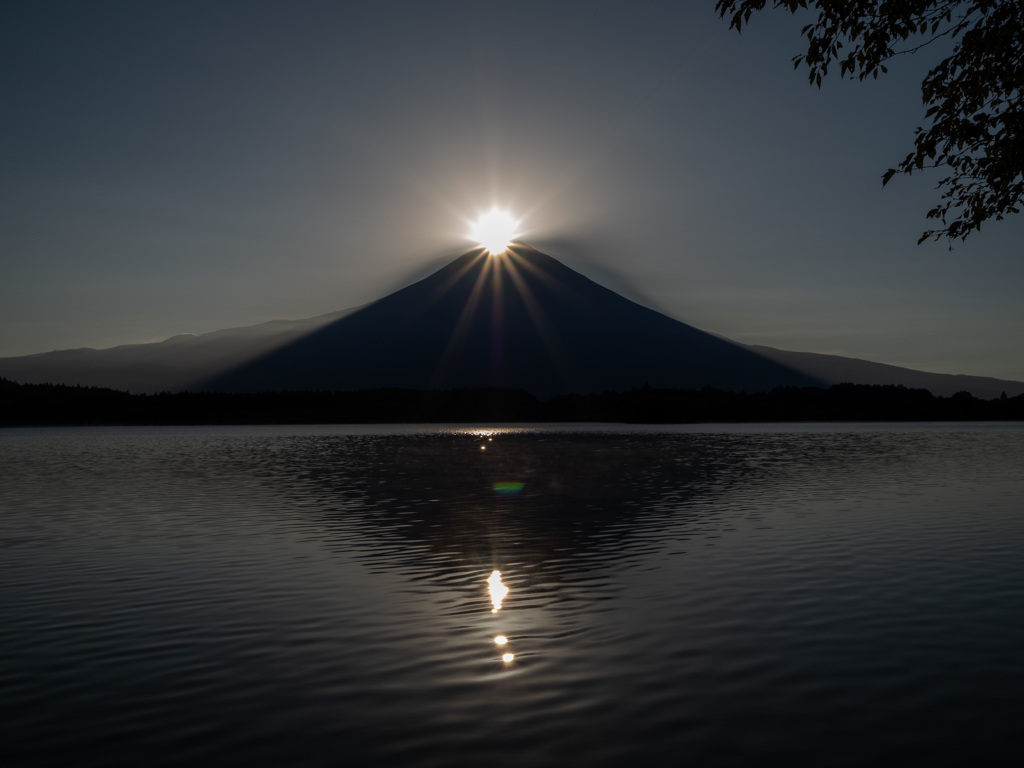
(185, 167)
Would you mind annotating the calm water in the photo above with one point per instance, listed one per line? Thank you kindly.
(307, 596)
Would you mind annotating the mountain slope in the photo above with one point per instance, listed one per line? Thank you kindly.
(523, 320)
(173, 364)
(834, 369)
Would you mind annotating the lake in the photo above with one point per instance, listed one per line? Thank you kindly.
(808, 594)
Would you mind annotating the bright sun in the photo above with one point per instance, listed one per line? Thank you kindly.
(495, 230)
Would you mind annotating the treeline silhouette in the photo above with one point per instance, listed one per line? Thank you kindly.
(55, 404)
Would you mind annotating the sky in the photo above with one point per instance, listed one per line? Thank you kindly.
(183, 167)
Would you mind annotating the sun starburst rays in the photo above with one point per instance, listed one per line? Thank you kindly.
(504, 277)
(465, 320)
(533, 308)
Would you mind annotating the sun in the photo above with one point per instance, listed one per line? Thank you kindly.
(495, 231)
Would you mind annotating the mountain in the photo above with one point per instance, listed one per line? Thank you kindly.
(521, 320)
(834, 369)
(171, 365)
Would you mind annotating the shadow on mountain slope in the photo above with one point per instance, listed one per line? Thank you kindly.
(518, 320)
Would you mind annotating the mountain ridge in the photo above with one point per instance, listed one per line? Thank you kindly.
(562, 332)
(519, 320)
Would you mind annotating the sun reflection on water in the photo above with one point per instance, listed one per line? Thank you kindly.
(497, 590)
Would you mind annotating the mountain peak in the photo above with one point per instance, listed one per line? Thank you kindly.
(520, 319)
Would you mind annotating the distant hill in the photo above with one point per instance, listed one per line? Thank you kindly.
(174, 364)
(522, 321)
(833, 369)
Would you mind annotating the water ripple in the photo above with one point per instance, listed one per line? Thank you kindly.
(313, 595)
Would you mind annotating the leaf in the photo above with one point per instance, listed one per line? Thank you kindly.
(971, 95)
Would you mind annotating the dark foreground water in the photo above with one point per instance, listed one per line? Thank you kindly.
(304, 596)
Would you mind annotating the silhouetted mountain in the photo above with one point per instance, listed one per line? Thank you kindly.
(834, 369)
(522, 321)
(171, 365)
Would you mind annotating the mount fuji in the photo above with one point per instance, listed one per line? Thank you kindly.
(521, 319)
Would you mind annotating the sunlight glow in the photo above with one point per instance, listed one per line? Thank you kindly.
(497, 590)
(495, 231)
(508, 657)
(500, 640)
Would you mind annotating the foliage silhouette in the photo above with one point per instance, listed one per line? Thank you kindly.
(974, 97)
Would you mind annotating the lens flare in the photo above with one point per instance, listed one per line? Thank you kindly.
(508, 487)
